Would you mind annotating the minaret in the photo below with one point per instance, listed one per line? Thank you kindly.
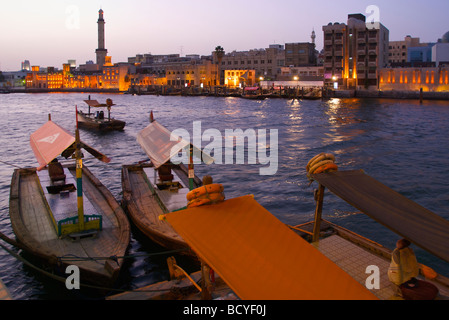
(101, 51)
(313, 36)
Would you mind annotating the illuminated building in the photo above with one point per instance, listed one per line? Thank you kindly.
(354, 52)
(267, 62)
(115, 77)
(239, 78)
(192, 73)
(413, 79)
(26, 65)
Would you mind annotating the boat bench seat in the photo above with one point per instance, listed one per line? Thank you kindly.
(165, 173)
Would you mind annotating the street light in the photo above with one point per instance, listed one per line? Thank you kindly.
(334, 78)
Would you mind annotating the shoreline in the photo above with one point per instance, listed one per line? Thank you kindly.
(344, 94)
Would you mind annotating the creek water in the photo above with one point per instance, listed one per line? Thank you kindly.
(402, 143)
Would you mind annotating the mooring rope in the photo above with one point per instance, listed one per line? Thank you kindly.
(63, 279)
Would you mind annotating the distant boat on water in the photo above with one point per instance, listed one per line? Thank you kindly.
(97, 120)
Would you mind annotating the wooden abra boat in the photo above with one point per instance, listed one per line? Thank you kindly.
(86, 228)
(151, 190)
(97, 120)
(252, 93)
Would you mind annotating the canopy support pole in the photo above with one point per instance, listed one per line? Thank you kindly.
(79, 173)
(318, 211)
(191, 170)
(79, 182)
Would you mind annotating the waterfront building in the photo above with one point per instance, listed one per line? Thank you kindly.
(354, 53)
(434, 79)
(11, 79)
(300, 54)
(192, 72)
(239, 78)
(398, 50)
(306, 73)
(36, 79)
(115, 76)
(26, 66)
(267, 62)
(101, 51)
(440, 53)
(420, 56)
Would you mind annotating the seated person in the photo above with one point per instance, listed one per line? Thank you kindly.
(403, 271)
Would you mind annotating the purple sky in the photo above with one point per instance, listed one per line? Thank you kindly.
(50, 32)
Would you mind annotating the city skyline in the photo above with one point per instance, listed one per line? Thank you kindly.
(48, 33)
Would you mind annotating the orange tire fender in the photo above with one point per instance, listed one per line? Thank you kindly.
(326, 168)
(206, 189)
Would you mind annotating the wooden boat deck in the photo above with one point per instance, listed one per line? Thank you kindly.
(145, 207)
(32, 223)
(172, 199)
(64, 205)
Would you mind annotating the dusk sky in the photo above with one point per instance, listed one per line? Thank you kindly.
(50, 32)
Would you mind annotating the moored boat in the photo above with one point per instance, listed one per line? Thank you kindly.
(253, 93)
(97, 120)
(63, 214)
(153, 189)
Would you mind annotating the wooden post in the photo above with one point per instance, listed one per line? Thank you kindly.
(191, 170)
(206, 285)
(318, 212)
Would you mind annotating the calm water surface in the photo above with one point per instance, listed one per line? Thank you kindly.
(404, 144)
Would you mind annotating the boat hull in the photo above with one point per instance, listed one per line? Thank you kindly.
(89, 122)
(144, 207)
(33, 224)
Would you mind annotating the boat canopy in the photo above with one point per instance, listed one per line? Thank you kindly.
(259, 257)
(161, 145)
(251, 88)
(51, 140)
(391, 209)
(95, 103)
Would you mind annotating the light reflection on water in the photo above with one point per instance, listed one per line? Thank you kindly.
(401, 143)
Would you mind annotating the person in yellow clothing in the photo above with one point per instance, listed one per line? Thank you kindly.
(403, 266)
(404, 269)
